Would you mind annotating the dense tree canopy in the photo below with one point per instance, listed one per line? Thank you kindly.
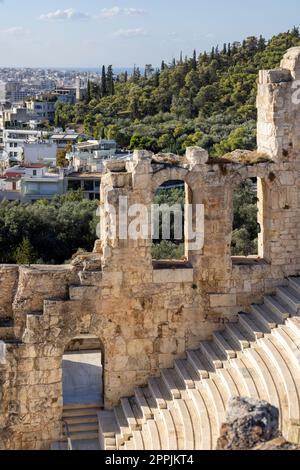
(206, 100)
(46, 232)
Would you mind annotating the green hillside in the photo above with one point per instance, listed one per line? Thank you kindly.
(206, 100)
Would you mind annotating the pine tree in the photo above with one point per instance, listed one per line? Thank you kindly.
(295, 32)
(103, 82)
(163, 65)
(229, 49)
(110, 81)
(25, 253)
(261, 43)
(194, 60)
(126, 76)
(89, 94)
(224, 49)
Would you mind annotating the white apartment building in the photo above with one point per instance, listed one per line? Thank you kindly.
(14, 140)
(40, 152)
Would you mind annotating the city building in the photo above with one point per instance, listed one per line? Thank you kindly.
(14, 140)
(64, 139)
(30, 183)
(40, 151)
(42, 108)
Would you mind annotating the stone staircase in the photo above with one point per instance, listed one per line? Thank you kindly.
(184, 408)
(82, 421)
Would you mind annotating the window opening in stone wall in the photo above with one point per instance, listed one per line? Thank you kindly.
(171, 194)
(246, 228)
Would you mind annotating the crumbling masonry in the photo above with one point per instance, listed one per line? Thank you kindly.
(147, 315)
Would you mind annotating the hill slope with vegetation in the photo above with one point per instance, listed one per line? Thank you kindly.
(206, 100)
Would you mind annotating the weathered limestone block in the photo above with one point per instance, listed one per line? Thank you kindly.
(8, 284)
(291, 62)
(161, 276)
(196, 155)
(222, 300)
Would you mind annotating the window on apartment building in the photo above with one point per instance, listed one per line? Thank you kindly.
(74, 185)
(88, 185)
(34, 172)
(246, 229)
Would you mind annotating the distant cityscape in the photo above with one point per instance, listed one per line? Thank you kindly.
(37, 159)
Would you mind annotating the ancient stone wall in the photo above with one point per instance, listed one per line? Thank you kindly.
(147, 314)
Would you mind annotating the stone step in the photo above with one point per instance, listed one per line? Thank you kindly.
(276, 356)
(143, 403)
(247, 370)
(249, 324)
(187, 426)
(171, 430)
(289, 296)
(211, 354)
(177, 424)
(82, 406)
(195, 422)
(129, 413)
(186, 373)
(80, 411)
(241, 374)
(204, 430)
(290, 342)
(237, 335)
(154, 435)
(83, 427)
(294, 324)
(137, 439)
(108, 426)
(170, 377)
(146, 437)
(73, 420)
(84, 435)
(129, 445)
(150, 400)
(223, 344)
(214, 389)
(199, 363)
(159, 392)
(280, 309)
(163, 432)
(229, 386)
(124, 429)
(213, 431)
(294, 282)
(263, 316)
(261, 364)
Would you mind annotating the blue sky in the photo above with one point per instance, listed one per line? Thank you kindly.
(87, 33)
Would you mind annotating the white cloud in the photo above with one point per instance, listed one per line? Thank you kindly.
(15, 31)
(130, 33)
(68, 14)
(118, 11)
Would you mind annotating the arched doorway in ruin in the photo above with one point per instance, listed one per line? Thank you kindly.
(82, 371)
